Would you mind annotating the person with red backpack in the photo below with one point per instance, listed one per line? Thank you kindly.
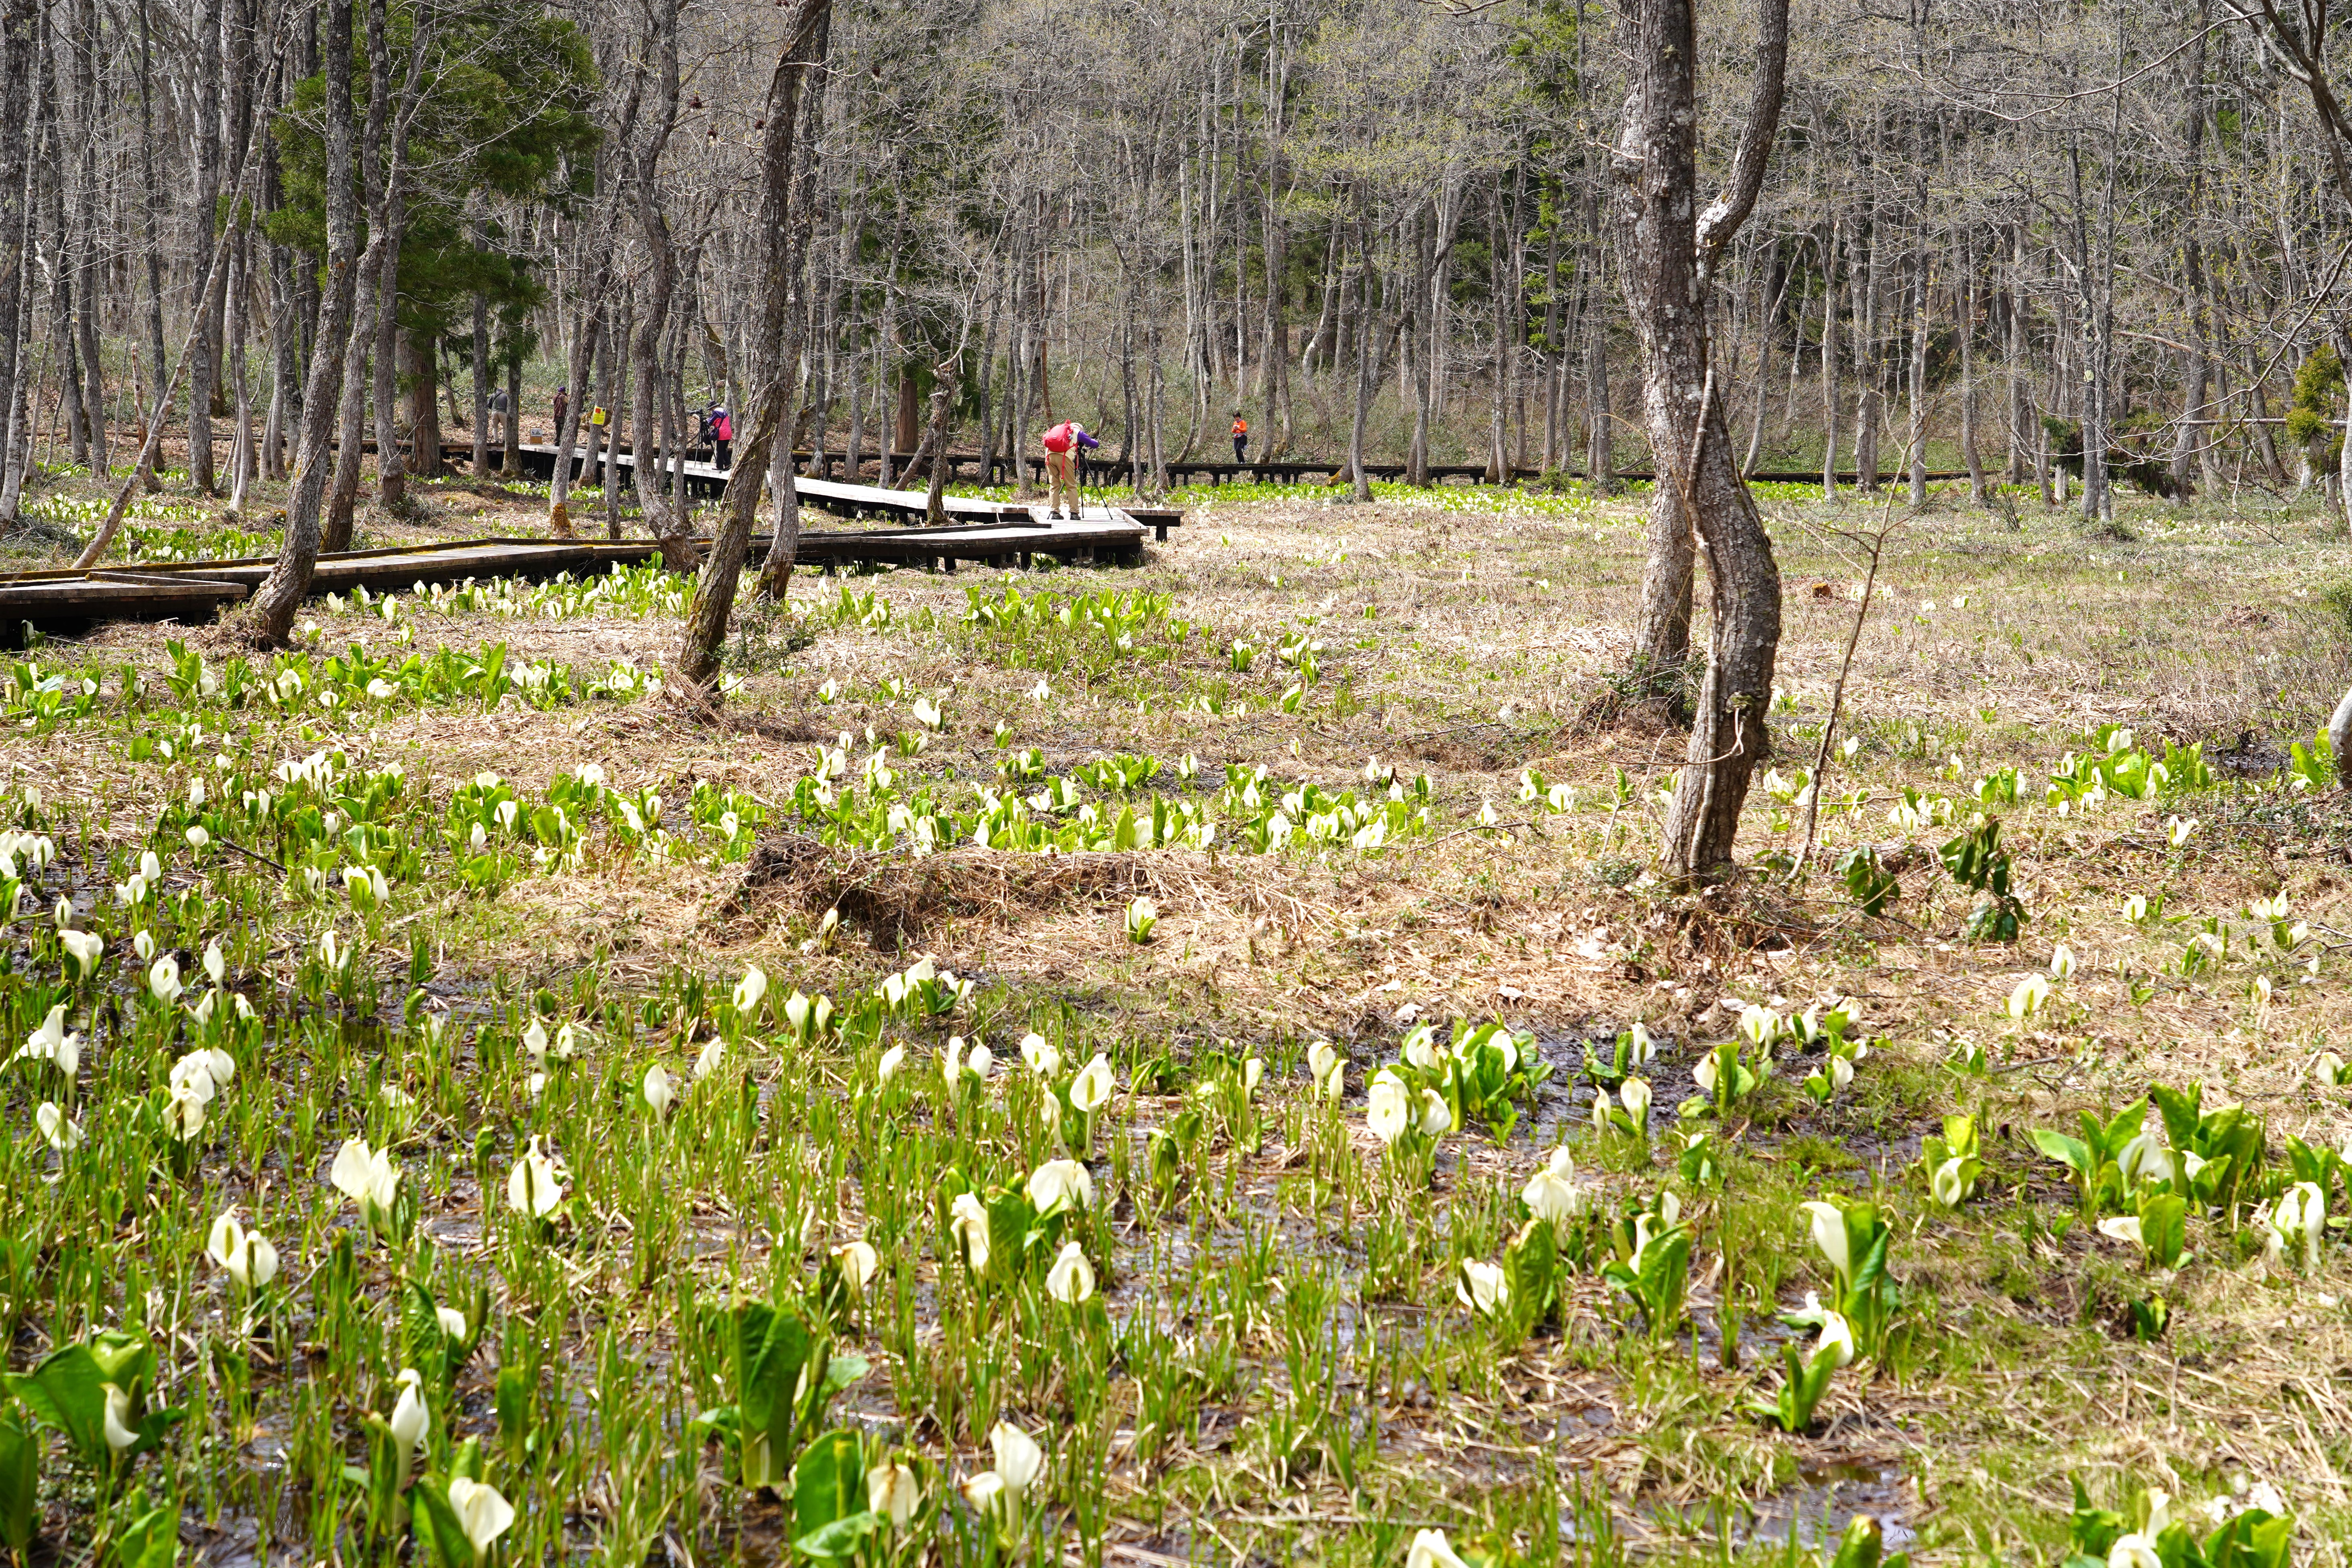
(722, 434)
(1065, 442)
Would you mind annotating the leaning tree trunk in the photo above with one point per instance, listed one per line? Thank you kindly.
(775, 350)
(1670, 248)
(281, 593)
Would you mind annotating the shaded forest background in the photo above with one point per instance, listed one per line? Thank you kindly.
(1988, 230)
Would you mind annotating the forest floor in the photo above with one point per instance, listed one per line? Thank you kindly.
(1315, 790)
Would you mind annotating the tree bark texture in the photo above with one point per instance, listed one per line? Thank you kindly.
(775, 352)
(282, 592)
(1669, 247)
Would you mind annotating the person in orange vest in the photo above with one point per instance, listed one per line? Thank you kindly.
(1241, 439)
(1063, 443)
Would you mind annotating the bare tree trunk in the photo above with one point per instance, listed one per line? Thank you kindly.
(1600, 421)
(1362, 491)
(1668, 259)
(158, 371)
(614, 395)
(205, 112)
(239, 297)
(776, 346)
(2197, 431)
(351, 415)
(1970, 452)
(52, 177)
(281, 595)
(19, 60)
(2022, 427)
(392, 216)
(481, 367)
(86, 223)
(664, 514)
(935, 438)
(1864, 274)
(1499, 454)
(1830, 252)
(1274, 383)
(1764, 336)
(285, 328)
(423, 406)
(1915, 445)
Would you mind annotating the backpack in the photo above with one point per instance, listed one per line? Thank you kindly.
(1057, 440)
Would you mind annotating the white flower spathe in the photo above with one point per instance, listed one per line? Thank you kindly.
(751, 989)
(60, 1130)
(1019, 1460)
(245, 1255)
(1386, 1111)
(1060, 1184)
(367, 1177)
(892, 1492)
(1040, 1053)
(1837, 1341)
(1829, 1234)
(2029, 997)
(1072, 1278)
(858, 1260)
(52, 1042)
(411, 1421)
(535, 1185)
(482, 1512)
(1091, 1089)
(85, 949)
(120, 1434)
(968, 1223)
(1553, 1197)
(1430, 1549)
(1329, 1067)
(1483, 1288)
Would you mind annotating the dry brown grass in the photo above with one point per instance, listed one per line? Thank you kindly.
(1484, 635)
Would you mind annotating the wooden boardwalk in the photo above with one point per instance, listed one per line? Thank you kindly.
(703, 479)
(853, 500)
(64, 601)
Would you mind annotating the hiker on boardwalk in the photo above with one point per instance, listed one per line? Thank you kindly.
(563, 402)
(722, 434)
(1240, 437)
(1062, 442)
